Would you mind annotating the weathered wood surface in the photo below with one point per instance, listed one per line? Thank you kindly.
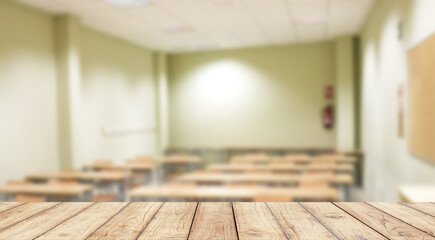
(223, 220)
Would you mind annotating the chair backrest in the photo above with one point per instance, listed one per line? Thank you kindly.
(296, 156)
(247, 163)
(104, 198)
(103, 162)
(243, 185)
(272, 198)
(63, 182)
(258, 171)
(254, 155)
(179, 185)
(143, 158)
(28, 198)
(318, 175)
(69, 171)
(17, 182)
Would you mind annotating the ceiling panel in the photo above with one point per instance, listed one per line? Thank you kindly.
(197, 25)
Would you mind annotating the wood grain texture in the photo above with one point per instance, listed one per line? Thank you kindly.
(173, 221)
(4, 206)
(36, 226)
(22, 212)
(255, 221)
(213, 221)
(413, 217)
(382, 222)
(85, 223)
(428, 208)
(129, 223)
(343, 225)
(298, 222)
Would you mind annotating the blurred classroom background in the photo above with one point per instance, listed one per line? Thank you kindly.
(217, 100)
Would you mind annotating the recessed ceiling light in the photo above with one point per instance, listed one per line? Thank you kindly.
(128, 3)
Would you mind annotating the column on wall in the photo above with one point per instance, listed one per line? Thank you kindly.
(162, 124)
(345, 100)
(67, 30)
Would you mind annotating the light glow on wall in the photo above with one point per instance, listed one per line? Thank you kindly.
(223, 83)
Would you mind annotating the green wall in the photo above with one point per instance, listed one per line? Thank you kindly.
(252, 97)
(28, 139)
(115, 90)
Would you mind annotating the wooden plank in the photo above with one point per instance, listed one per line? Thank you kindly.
(411, 216)
(173, 221)
(382, 222)
(342, 224)
(129, 223)
(44, 221)
(428, 208)
(298, 222)
(85, 223)
(213, 221)
(255, 221)
(4, 206)
(20, 213)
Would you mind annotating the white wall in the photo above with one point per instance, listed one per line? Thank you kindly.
(389, 163)
(117, 91)
(28, 126)
(253, 97)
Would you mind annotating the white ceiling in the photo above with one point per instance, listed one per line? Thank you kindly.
(194, 25)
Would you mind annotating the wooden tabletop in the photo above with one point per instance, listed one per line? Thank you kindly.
(180, 160)
(280, 167)
(264, 178)
(83, 176)
(210, 193)
(127, 166)
(191, 220)
(341, 159)
(46, 189)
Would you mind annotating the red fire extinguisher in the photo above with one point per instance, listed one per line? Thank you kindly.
(328, 116)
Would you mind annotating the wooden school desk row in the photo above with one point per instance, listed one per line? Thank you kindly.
(213, 193)
(192, 220)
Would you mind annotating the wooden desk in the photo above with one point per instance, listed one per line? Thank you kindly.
(81, 176)
(280, 167)
(223, 193)
(48, 190)
(304, 160)
(127, 167)
(180, 160)
(223, 220)
(417, 193)
(264, 178)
